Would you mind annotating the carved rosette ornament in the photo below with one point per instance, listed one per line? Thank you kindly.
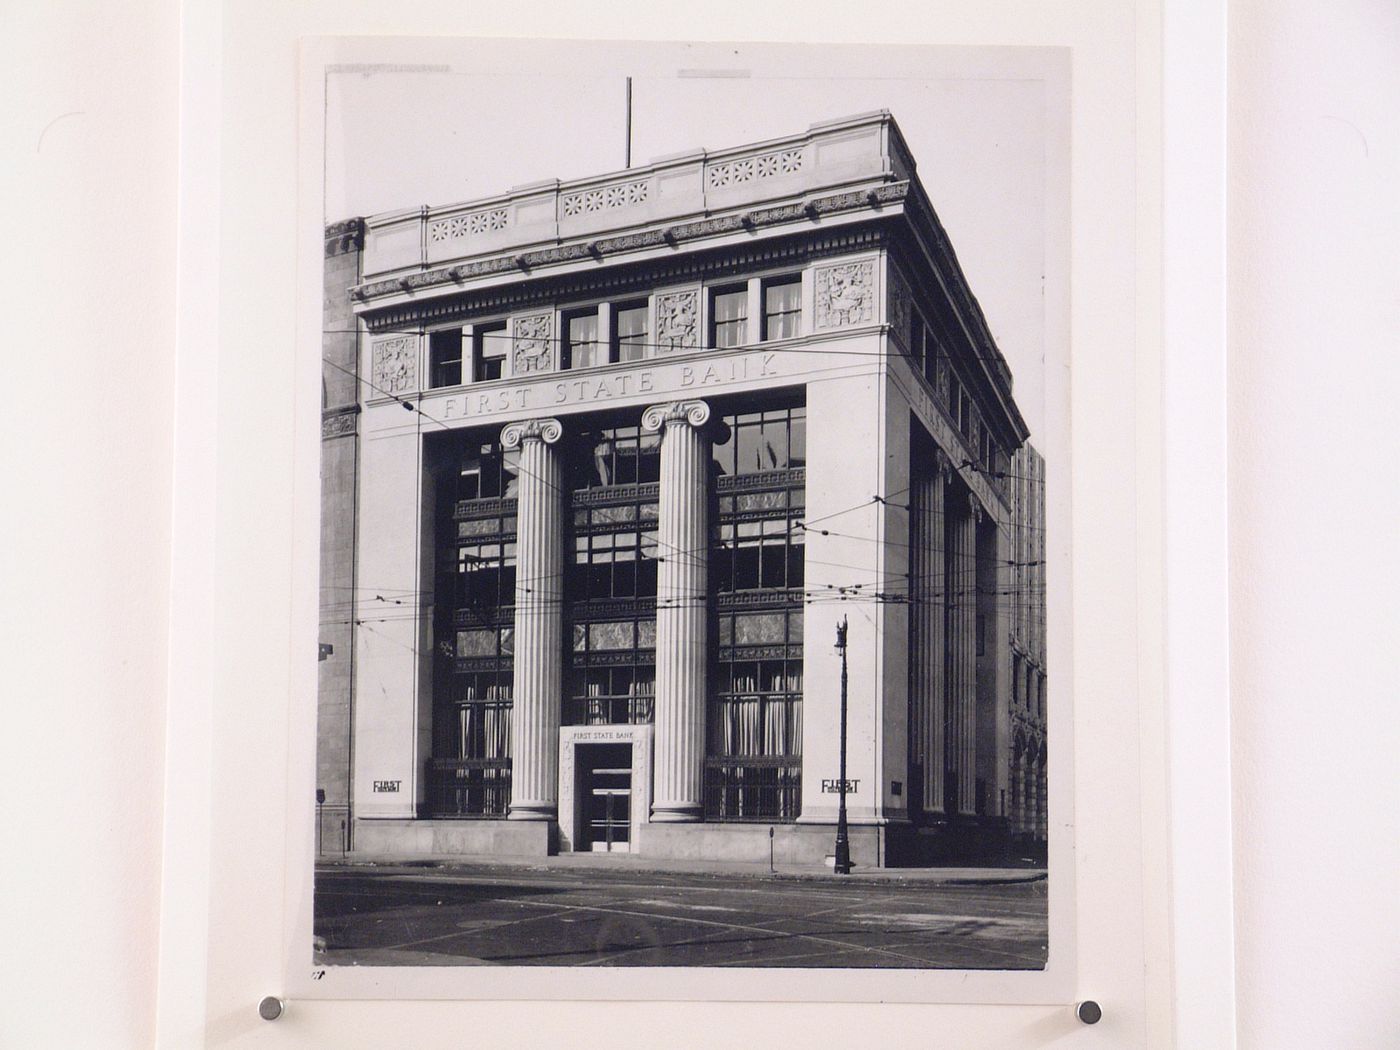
(677, 321)
(845, 294)
(394, 364)
(513, 435)
(533, 344)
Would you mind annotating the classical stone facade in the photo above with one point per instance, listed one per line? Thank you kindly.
(666, 428)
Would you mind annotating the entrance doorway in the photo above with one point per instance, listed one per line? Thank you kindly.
(605, 775)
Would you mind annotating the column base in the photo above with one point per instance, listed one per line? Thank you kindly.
(677, 813)
(532, 811)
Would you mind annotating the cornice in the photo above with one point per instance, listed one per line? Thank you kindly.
(670, 235)
(626, 278)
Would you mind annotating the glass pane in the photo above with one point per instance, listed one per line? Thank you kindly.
(731, 306)
(797, 439)
(632, 333)
(747, 441)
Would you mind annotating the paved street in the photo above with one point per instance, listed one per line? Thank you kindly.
(592, 916)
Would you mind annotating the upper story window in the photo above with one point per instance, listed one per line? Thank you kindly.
(581, 346)
(782, 307)
(630, 332)
(759, 441)
(729, 317)
(487, 471)
(445, 357)
(612, 456)
(489, 345)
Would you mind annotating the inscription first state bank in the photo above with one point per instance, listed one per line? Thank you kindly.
(554, 393)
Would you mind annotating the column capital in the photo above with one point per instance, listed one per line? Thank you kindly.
(975, 506)
(695, 413)
(547, 430)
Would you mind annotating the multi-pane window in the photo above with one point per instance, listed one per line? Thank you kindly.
(486, 471)
(759, 441)
(729, 315)
(445, 357)
(782, 307)
(753, 768)
(612, 576)
(616, 564)
(918, 334)
(630, 332)
(490, 344)
(617, 456)
(581, 346)
(473, 625)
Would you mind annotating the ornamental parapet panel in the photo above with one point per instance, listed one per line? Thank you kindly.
(682, 186)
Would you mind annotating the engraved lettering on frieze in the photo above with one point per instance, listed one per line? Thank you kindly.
(677, 321)
(532, 341)
(845, 294)
(395, 365)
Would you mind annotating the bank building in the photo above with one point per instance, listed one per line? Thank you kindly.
(604, 464)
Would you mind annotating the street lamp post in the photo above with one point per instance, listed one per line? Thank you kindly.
(843, 840)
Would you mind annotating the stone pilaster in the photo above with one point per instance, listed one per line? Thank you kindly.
(682, 589)
(539, 620)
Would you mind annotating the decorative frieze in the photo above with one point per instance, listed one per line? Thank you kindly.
(891, 193)
(348, 235)
(339, 423)
(749, 169)
(394, 365)
(605, 198)
(845, 294)
(474, 223)
(677, 321)
(533, 344)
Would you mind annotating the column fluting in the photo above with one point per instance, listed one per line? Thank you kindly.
(682, 591)
(539, 620)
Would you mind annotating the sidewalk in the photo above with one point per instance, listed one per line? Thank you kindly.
(625, 863)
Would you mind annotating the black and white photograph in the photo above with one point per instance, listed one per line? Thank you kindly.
(685, 452)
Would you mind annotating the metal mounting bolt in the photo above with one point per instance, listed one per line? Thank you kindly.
(271, 1008)
(1089, 1012)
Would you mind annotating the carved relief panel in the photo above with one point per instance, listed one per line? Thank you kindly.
(532, 344)
(900, 307)
(845, 294)
(677, 321)
(394, 365)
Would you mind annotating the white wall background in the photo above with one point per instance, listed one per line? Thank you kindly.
(88, 281)
(1315, 473)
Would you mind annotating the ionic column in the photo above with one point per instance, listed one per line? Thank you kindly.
(972, 598)
(539, 620)
(682, 588)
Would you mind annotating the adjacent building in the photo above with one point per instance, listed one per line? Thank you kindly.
(605, 463)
